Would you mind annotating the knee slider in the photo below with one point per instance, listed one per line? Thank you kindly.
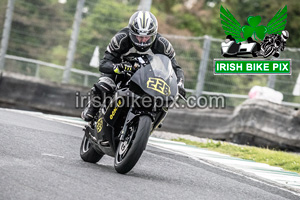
(105, 85)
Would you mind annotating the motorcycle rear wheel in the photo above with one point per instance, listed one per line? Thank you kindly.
(129, 151)
(87, 152)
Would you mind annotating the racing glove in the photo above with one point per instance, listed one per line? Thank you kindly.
(121, 67)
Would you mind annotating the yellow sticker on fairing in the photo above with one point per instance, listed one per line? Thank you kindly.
(115, 109)
(159, 85)
(99, 125)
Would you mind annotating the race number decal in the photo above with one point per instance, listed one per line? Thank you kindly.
(159, 85)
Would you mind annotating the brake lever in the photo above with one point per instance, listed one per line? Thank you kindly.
(128, 74)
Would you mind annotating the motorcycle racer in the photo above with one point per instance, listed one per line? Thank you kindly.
(278, 42)
(140, 37)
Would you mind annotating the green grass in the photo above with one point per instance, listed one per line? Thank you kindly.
(285, 160)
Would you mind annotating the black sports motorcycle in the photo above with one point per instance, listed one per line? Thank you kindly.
(121, 129)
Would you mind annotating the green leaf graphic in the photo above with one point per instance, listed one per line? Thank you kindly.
(247, 31)
(260, 32)
(254, 21)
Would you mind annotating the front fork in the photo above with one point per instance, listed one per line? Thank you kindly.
(160, 118)
(88, 133)
(131, 116)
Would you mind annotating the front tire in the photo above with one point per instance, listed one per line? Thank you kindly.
(129, 151)
(87, 152)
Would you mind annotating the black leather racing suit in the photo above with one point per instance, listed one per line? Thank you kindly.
(121, 45)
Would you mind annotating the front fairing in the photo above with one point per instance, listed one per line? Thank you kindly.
(157, 78)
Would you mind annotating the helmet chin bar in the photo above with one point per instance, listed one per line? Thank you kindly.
(144, 45)
(141, 48)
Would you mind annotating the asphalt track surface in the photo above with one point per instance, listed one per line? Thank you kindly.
(39, 159)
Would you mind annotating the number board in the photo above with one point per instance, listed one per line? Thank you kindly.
(159, 85)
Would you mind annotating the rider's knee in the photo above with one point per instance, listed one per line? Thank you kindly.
(105, 85)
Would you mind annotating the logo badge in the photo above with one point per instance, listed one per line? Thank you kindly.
(253, 41)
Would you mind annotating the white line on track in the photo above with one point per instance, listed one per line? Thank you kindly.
(230, 171)
(52, 155)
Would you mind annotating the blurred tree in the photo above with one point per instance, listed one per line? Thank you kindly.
(166, 5)
(37, 27)
(99, 26)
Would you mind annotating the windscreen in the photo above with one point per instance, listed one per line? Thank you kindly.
(162, 66)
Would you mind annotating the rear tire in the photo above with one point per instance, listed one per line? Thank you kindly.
(128, 154)
(87, 152)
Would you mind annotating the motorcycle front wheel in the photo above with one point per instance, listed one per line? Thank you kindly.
(87, 152)
(130, 150)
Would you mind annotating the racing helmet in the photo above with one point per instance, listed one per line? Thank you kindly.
(285, 35)
(142, 30)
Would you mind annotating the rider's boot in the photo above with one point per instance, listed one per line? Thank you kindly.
(92, 107)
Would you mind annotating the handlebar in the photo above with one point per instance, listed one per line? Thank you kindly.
(136, 62)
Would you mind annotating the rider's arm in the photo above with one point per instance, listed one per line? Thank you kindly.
(283, 45)
(118, 44)
(106, 64)
(178, 71)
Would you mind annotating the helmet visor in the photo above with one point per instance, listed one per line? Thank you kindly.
(142, 40)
